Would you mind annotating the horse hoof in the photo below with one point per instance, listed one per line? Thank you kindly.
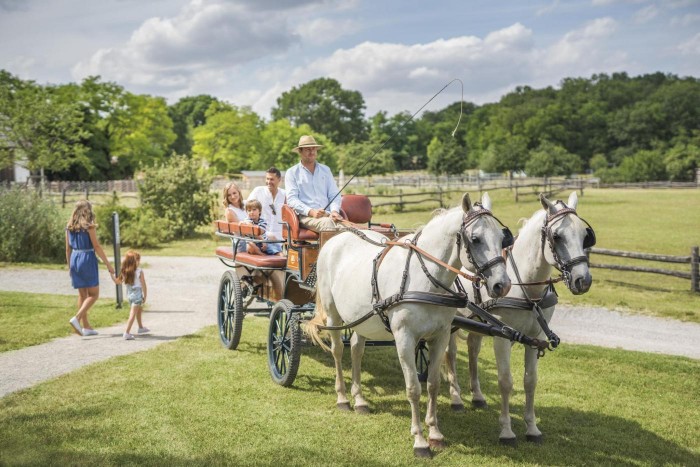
(424, 453)
(479, 404)
(344, 406)
(537, 439)
(362, 409)
(512, 442)
(457, 407)
(438, 444)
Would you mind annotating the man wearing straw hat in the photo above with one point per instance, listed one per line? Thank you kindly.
(311, 189)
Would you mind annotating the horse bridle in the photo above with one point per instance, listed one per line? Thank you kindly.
(469, 219)
(548, 237)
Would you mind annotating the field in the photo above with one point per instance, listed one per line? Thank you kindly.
(193, 402)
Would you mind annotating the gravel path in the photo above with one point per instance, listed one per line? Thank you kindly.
(182, 299)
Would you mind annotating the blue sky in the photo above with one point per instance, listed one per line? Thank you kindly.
(396, 53)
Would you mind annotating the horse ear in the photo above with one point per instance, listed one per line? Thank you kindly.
(573, 200)
(486, 201)
(547, 204)
(466, 203)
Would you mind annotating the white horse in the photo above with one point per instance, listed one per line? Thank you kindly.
(345, 294)
(554, 237)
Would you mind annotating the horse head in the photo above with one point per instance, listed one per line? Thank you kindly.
(567, 236)
(484, 237)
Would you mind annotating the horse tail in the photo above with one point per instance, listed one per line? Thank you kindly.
(311, 327)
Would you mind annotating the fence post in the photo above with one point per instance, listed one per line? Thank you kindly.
(63, 197)
(87, 192)
(117, 254)
(442, 205)
(695, 269)
(516, 192)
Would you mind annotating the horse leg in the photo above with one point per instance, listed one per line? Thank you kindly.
(473, 350)
(435, 346)
(406, 348)
(357, 349)
(451, 363)
(532, 433)
(337, 351)
(502, 350)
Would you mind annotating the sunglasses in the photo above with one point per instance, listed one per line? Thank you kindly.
(274, 211)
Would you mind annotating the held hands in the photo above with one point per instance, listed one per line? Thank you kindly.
(317, 213)
(336, 216)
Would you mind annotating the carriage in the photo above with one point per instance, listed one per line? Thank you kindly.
(284, 287)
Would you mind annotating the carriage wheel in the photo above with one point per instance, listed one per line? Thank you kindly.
(230, 310)
(283, 343)
(422, 361)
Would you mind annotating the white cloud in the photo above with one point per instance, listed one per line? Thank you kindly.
(646, 14)
(324, 31)
(203, 35)
(578, 47)
(685, 20)
(691, 46)
(547, 8)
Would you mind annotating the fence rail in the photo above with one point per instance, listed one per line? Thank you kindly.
(693, 260)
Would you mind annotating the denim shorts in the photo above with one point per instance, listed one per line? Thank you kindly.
(135, 296)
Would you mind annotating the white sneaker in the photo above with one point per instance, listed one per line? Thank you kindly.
(76, 326)
(143, 331)
(90, 332)
(128, 337)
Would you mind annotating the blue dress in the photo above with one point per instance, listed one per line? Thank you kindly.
(83, 260)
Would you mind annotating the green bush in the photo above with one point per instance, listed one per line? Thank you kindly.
(31, 229)
(103, 215)
(145, 229)
(178, 191)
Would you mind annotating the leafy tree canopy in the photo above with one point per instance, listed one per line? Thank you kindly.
(326, 107)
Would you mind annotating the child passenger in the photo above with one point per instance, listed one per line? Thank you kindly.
(253, 209)
(136, 291)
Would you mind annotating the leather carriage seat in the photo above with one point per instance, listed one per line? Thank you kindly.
(298, 233)
(246, 231)
(358, 208)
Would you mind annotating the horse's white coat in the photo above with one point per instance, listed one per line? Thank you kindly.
(534, 264)
(344, 294)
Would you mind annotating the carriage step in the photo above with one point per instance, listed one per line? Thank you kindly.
(311, 278)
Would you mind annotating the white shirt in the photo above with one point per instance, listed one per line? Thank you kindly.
(273, 219)
(137, 281)
(240, 213)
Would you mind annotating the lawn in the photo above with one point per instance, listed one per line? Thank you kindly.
(194, 402)
(31, 319)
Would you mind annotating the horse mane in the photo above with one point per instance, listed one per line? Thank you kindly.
(533, 222)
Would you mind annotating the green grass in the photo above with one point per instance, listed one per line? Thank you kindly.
(31, 319)
(194, 402)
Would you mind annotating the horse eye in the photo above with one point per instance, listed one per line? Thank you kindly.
(475, 239)
(556, 236)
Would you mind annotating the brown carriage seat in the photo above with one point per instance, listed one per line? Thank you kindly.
(297, 232)
(248, 231)
(358, 208)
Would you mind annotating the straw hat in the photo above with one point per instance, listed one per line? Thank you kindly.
(307, 141)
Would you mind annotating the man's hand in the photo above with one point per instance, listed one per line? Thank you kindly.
(317, 213)
(335, 215)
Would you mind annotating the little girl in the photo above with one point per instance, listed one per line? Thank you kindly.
(132, 275)
(82, 250)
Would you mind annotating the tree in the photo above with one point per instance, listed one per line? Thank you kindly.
(352, 157)
(646, 165)
(142, 133)
(37, 127)
(177, 191)
(550, 160)
(509, 156)
(682, 162)
(280, 137)
(446, 158)
(326, 107)
(187, 114)
(230, 140)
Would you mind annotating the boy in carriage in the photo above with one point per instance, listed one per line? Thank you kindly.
(253, 209)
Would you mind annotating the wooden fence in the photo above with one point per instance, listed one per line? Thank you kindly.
(693, 260)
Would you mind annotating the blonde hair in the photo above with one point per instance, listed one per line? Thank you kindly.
(82, 218)
(127, 274)
(240, 195)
